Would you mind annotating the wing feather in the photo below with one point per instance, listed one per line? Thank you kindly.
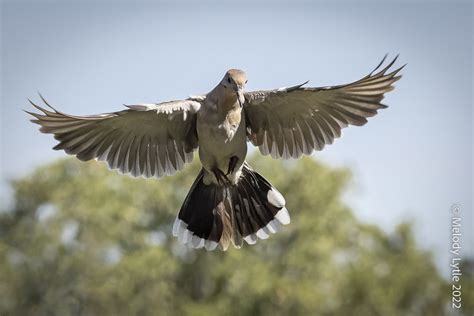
(144, 140)
(307, 135)
(289, 122)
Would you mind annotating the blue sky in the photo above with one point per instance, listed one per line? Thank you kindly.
(411, 162)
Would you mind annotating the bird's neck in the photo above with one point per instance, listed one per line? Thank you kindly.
(225, 99)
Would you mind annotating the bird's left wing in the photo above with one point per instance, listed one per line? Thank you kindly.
(144, 140)
(289, 122)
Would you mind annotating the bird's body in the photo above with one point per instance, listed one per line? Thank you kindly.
(229, 202)
(221, 132)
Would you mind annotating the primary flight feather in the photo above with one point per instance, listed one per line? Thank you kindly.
(229, 202)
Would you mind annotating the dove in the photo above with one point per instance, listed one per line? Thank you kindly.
(229, 203)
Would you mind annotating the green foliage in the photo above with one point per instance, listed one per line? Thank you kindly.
(467, 286)
(82, 240)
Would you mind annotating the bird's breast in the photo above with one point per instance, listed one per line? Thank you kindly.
(219, 127)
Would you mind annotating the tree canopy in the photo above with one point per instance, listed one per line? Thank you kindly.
(83, 240)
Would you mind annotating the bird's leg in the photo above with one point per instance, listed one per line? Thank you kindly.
(232, 164)
(220, 176)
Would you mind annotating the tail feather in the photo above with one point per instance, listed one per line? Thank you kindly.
(214, 215)
(197, 225)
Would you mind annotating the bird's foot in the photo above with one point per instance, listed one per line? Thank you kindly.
(220, 177)
(232, 164)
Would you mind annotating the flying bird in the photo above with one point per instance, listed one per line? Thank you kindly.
(229, 202)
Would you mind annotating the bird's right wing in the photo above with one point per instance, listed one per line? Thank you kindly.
(289, 122)
(144, 140)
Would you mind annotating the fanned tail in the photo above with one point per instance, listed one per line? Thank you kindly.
(214, 215)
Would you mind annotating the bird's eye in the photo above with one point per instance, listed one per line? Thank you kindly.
(246, 81)
(228, 80)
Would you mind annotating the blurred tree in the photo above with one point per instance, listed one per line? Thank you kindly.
(467, 286)
(82, 240)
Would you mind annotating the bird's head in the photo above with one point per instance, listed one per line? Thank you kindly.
(235, 81)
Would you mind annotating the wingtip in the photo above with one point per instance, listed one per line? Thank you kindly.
(39, 108)
(380, 63)
(46, 102)
(395, 72)
(133, 106)
(28, 112)
(384, 70)
(289, 89)
(31, 102)
(390, 64)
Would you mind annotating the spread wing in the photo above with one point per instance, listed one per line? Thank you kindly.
(289, 122)
(144, 140)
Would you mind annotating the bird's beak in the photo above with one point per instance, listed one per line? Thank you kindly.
(240, 97)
